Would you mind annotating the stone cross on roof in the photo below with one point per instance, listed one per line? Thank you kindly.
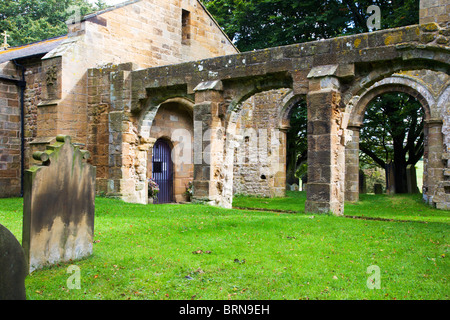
(5, 44)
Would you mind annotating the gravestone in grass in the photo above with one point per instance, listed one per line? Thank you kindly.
(59, 205)
(378, 188)
(411, 179)
(13, 267)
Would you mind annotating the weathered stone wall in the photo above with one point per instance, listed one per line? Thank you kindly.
(104, 135)
(10, 144)
(11, 95)
(121, 142)
(150, 33)
(34, 79)
(434, 11)
(260, 158)
(333, 73)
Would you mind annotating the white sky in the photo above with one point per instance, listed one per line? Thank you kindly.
(110, 2)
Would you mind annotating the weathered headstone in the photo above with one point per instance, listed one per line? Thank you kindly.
(378, 188)
(411, 179)
(59, 206)
(13, 267)
(362, 182)
(390, 178)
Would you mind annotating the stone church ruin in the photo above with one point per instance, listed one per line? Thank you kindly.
(150, 73)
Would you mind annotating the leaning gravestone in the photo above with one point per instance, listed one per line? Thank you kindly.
(13, 267)
(59, 205)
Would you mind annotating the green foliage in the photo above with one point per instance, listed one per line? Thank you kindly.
(257, 24)
(297, 143)
(393, 131)
(29, 21)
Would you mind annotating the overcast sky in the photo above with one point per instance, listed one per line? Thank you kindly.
(109, 2)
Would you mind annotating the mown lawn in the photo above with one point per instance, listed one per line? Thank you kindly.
(184, 252)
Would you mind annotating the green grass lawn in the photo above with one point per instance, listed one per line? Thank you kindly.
(147, 252)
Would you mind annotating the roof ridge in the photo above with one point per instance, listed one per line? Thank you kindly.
(110, 8)
(10, 49)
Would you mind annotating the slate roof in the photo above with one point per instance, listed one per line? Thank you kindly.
(32, 49)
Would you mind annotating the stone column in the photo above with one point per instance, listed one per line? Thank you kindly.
(352, 166)
(326, 152)
(279, 165)
(433, 190)
(209, 142)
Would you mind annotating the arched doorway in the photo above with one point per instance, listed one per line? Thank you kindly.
(432, 132)
(162, 170)
(392, 140)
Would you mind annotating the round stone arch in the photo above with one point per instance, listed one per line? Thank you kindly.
(289, 104)
(250, 126)
(369, 77)
(356, 108)
(146, 118)
(290, 100)
(237, 92)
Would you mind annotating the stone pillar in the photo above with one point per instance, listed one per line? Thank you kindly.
(434, 11)
(279, 165)
(433, 190)
(352, 166)
(209, 142)
(326, 153)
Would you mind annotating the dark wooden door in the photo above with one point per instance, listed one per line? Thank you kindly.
(162, 172)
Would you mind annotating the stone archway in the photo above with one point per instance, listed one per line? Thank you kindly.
(171, 120)
(416, 88)
(289, 105)
(260, 159)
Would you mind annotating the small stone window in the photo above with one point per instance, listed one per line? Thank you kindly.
(185, 27)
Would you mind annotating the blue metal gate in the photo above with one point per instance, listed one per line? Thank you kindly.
(162, 172)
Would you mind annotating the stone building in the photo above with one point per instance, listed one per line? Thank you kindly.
(53, 77)
(222, 114)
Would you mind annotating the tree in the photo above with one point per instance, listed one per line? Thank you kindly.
(29, 21)
(297, 144)
(257, 24)
(393, 130)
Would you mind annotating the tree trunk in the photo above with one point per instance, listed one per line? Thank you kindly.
(400, 165)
